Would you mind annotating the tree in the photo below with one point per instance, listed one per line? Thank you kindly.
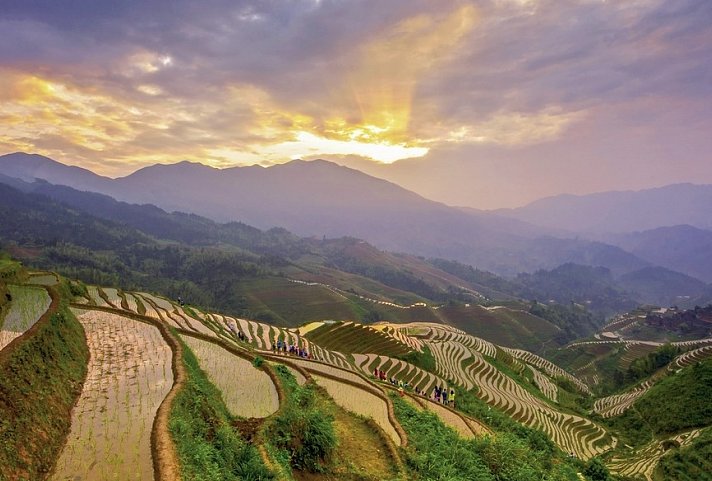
(595, 470)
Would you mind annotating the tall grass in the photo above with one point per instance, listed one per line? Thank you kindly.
(301, 430)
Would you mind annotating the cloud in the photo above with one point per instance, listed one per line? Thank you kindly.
(133, 82)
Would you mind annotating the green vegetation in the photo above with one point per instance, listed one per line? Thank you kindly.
(423, 360)
(680, 401)
(301, 431)
(643, 367)
(437, 452)
(630, 427)
(356, 338)
(676, 403)
(41, 380)
(208, 446)
(689, 463)
(9, 268)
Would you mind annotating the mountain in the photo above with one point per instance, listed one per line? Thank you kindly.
(661, 286)
(319, 198)
(621, 212)
(273, 276)
(682, 248)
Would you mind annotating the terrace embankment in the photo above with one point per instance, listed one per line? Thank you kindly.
(42, 373)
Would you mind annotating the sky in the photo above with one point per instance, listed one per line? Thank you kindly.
(485, 104)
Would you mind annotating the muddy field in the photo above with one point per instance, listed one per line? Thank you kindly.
(248, 392)
(129, 375)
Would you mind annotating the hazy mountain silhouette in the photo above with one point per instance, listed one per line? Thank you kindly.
(320, 198)
(682, 248)
(626, 211)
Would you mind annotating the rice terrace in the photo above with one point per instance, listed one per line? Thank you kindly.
(149, 388)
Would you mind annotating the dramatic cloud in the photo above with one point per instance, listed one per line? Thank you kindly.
(117, 85)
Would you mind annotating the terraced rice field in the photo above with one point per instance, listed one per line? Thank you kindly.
(571, 433)
(248, 392)
(327, 370)
(643, 461)
(544, 384)
(95, 295)
(548, 367)
(634, 351)
(401, 370)
(348, 337)
(449, 356)
(617, 404)
(401, 335)
(447, 333)
(262, 336)
(361, 402)
(450, 418)
(113, 296)
(43, 280)
(131, 302)
(691, 357)
(27, 306)
(129, 375)
(309, 327)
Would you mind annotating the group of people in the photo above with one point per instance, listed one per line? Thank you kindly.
(279, 346)
(440, 394)
(444, 396)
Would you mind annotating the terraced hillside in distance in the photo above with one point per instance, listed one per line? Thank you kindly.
(166, 380)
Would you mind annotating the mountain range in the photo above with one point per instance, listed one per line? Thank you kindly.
(321, 199)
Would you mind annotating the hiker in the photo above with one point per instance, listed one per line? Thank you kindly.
(452, 397)
(375, 373)
(445, 396)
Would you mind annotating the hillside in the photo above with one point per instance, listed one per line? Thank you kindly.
(306, 416)
(271, 275)
(325, 199)
(316, 375)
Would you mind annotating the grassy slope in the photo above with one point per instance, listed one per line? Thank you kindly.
(208, 446)
(436, 452)
(680, 401)
(676, 403)
(691, 463)
(41, 381)
(314, 439)
(292, 304)
(507, 327)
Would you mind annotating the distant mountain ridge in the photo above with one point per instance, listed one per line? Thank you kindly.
(621, 211)
(319, 198)
(683, 248)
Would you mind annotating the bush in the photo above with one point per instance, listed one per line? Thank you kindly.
(595, 470)
(301, 429)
